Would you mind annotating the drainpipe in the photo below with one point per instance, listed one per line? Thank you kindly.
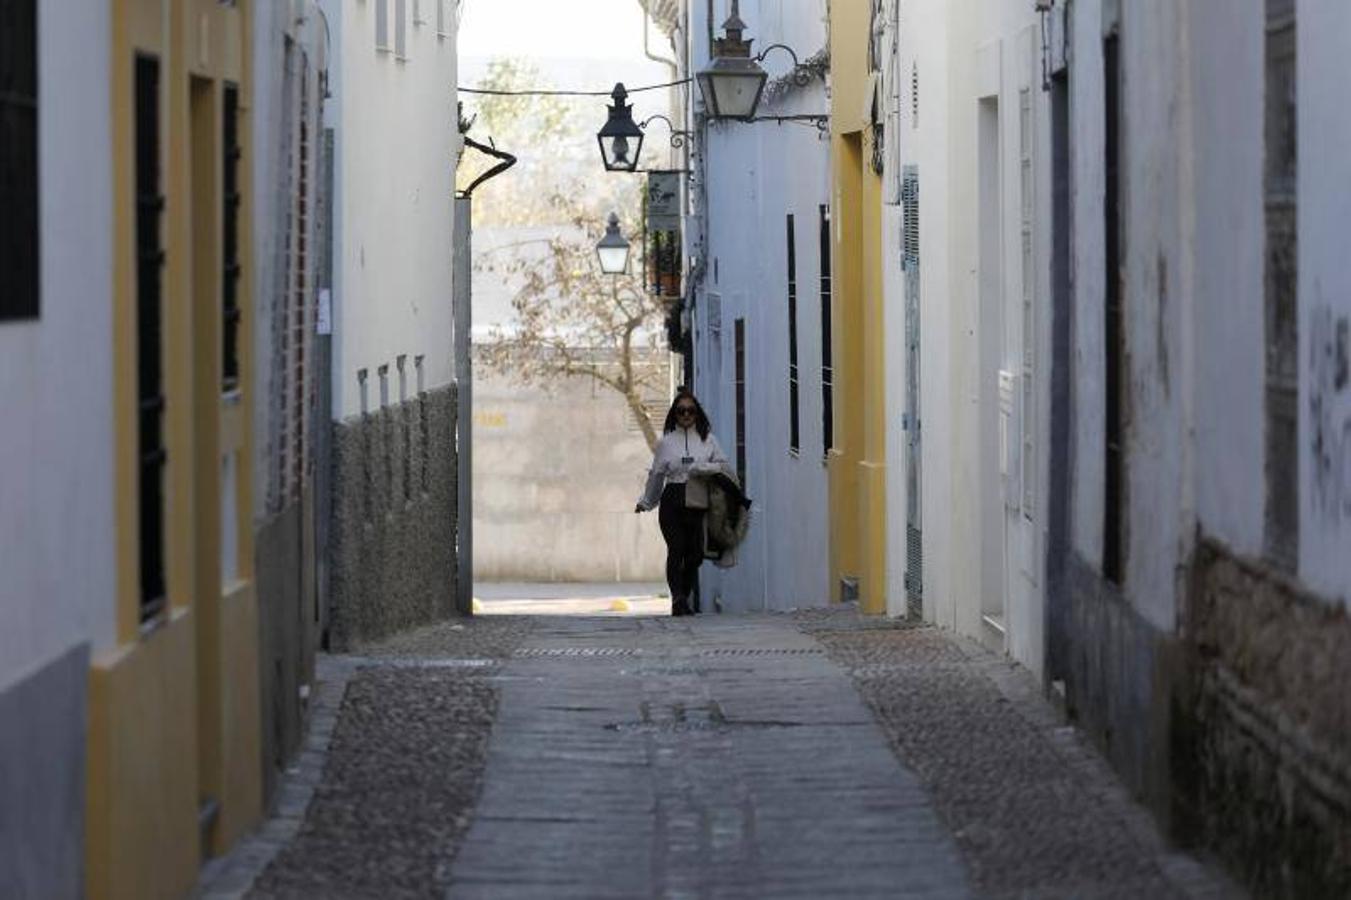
(674, 105)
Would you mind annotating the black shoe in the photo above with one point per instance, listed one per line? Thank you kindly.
(679, 607)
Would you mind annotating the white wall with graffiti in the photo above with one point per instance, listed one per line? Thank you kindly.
(1325, 304)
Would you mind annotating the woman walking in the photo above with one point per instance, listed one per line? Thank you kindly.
(686, 455)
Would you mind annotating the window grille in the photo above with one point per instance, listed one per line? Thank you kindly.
(914, 95)
(19, 238)
(1281, 285)
(150, 260)
(230, 251)
(910, 212)
(794, 414)
(382, 24)
(301, 309)
(401, 28)
(1029, 285)
(827, 367)
(740, 339)
(293, 321)
(1113, 553)
(914, 542)
(714, 312)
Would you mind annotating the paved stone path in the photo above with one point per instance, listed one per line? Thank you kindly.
(821, 754)
(722, 757)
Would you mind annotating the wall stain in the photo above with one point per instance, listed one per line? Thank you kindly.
(1160, 337)
(1330, 414)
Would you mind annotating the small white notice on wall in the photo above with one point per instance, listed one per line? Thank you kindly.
(324, 323)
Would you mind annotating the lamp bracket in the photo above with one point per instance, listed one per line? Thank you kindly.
(678, 137)
(822, 122)
(801, 75)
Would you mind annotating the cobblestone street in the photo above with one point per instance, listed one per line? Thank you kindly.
(816, 755)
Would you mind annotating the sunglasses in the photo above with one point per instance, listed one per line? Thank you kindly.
(684, 410)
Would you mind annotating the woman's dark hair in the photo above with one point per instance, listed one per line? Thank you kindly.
(701, 423)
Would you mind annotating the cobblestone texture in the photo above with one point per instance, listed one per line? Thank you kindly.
(399, 785)
(1035, 811)
(818, 754)
(481, 637)
(707, 757)
(348, 826)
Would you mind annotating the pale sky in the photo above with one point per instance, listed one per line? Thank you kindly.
(572, 29)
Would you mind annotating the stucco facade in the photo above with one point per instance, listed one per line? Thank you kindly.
(57, 552)
(550, 509)
(1121, 259)
(392, 364)
(749, 179)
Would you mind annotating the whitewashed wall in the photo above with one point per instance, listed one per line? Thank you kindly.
(1227, 237)
(1194, 267)
(925, 34)
(1324, 35)
(757, 174)
(56, 423)
(396, 140)
(979, 557)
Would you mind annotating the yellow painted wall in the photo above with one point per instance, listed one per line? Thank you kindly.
(846, 315)
(141, 809)
(174, 713)
(241, 788)
(857, 465)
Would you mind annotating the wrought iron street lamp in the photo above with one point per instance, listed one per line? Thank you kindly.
(613, 249)
(620, 139)
(734, 81)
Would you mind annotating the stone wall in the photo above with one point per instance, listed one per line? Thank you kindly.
(392, 536)
(1262, 747)
(278, 564)
(554, 509)
(1236, 732)
(1117, 670)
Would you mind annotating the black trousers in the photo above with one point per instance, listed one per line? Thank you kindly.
(683, 530)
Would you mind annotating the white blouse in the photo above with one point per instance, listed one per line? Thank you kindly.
(680, 454)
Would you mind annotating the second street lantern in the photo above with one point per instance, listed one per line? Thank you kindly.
(613, 250)
(621, 140)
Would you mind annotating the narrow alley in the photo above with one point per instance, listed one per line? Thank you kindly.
(817, 754)
(675, 448)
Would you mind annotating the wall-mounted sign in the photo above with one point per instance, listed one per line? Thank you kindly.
(663, 201)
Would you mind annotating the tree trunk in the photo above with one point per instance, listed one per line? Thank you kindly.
(639, 410)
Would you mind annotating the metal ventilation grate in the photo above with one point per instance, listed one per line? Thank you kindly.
(761, 651)
(914, 95)
(914, 573)
(910, 206)
(581, 652)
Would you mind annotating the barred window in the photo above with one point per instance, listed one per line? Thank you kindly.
(382, 24)
(741, 402)
(230, 250)
(19, 264)
(794, 427)
(827, 365)
(150, 259)
(401, 28)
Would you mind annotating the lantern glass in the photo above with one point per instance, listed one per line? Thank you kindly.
(614, 260)
(620, 152)
(732, 87)
(613, 249)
